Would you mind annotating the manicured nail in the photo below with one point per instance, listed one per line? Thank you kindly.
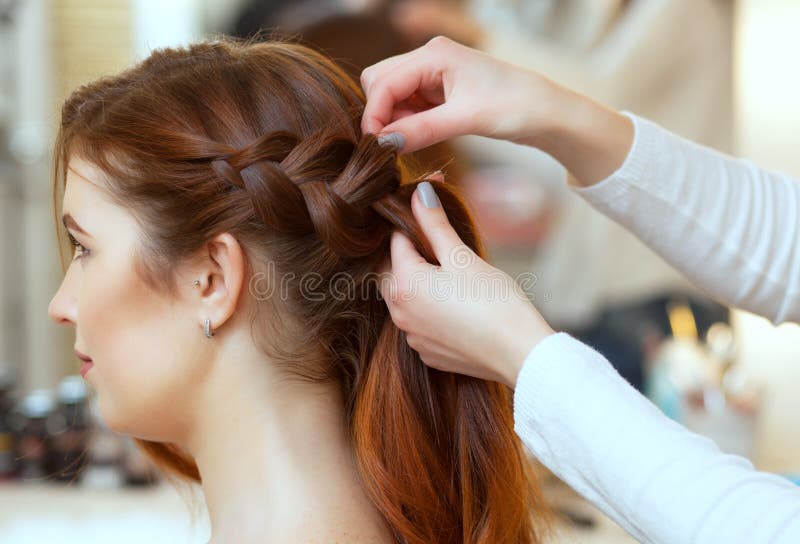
(394, 139)
(428, 195)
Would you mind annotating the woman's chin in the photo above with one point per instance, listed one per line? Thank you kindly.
(109, 416)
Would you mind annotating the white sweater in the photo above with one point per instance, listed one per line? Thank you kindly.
(732, 228)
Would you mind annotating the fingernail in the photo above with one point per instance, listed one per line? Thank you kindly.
(428, 195)
(394, 139)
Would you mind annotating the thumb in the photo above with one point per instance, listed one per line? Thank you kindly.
(430, 215)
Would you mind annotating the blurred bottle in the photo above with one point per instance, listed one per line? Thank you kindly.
(699, 384)
(104, 454)
(8, 467)
(33, 411)
(69, 427)
(679, 365)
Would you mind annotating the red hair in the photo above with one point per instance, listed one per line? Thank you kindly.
(264, 141)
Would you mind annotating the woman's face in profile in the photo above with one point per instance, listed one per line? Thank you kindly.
(145, 347)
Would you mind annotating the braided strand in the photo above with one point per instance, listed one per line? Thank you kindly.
(338, 186)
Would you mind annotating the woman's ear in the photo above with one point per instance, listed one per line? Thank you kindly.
(222, 275)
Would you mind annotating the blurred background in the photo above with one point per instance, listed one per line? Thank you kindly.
(720, 72)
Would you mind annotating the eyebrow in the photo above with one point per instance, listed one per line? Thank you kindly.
(70, 223)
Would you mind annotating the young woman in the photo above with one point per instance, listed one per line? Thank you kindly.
(230, 220)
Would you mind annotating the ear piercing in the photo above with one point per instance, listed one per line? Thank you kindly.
(207, 323)
(207, 328)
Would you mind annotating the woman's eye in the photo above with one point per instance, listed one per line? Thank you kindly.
(78, 247)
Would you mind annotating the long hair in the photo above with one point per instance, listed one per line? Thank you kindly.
(263, 140)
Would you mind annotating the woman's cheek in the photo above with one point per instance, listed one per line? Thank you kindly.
(146, 350)
(110, 322)
(147, 382)
(138, 395)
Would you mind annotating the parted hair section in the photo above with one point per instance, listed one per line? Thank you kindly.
(263, 141)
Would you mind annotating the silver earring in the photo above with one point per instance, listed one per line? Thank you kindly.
(207, 322)
(207, 327)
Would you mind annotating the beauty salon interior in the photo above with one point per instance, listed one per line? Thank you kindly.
(722, 73)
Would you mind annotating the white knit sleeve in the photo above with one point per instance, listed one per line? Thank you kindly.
(659, 481)
(728, 225)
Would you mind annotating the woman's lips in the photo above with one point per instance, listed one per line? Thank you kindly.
(87, 362)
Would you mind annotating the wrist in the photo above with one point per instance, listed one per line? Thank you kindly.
(538, 110)
(527, 113)
(554, 118)
(524, 340)
(588, 138)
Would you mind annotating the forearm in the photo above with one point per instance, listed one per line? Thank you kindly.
(659, 481)
(728, 225)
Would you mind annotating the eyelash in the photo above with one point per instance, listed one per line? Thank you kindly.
(76, 244)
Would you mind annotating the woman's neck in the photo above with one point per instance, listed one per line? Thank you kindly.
(276, 460)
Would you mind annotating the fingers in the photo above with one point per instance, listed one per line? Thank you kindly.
(420, 72)
(440, 44)
(395, 273)
(377, 70)
(433, 220)
(393, 87)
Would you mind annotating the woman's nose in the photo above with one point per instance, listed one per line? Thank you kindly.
(63, 308)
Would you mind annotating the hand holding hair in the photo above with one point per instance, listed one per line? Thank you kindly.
(464, 316)
(444, 89)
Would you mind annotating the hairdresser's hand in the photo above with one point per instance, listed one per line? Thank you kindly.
(464, 316)
(444, 89)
